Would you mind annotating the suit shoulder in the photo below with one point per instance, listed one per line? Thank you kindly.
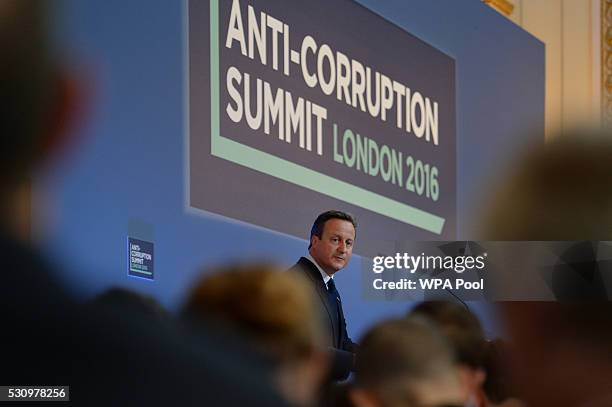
(305, 268)
(303, 264)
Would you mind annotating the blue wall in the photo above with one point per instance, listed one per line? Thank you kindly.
(128, 163)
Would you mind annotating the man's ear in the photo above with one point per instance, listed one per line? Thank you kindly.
(66, 112)
(314, 239)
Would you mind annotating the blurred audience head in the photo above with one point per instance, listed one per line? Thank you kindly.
(37, 103)
(405, 362)
(560, 191)
(464, 333)
(276, 312)
(118, 298)
(27, 82)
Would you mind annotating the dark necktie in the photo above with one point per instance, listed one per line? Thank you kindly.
(333, 299)
(332, 292)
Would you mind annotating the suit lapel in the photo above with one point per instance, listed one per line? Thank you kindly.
(313, 273)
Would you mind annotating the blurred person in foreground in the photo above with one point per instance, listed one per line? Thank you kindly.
(276, 313)
(498, 387)
(463, 331)
(405, 363)
(332, 237)
(48, 339)
(118, 299)
(561, 191)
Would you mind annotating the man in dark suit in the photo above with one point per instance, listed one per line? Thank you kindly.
(331, 244)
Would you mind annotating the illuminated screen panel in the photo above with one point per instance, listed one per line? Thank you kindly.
(302, 107)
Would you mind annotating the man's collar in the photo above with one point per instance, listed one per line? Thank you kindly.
(326, 277)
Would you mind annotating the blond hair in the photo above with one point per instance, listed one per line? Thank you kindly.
(274, 309)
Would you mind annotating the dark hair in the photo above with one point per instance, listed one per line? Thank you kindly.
(119, 298)
(558, 191)
(459, 326)
(319, 223)
(26, 85)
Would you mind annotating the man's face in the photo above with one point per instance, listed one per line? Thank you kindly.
(333, 250)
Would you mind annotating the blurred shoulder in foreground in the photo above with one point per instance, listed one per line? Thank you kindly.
(108, 358)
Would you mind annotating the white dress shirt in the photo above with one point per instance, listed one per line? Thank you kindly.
(326, 277)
